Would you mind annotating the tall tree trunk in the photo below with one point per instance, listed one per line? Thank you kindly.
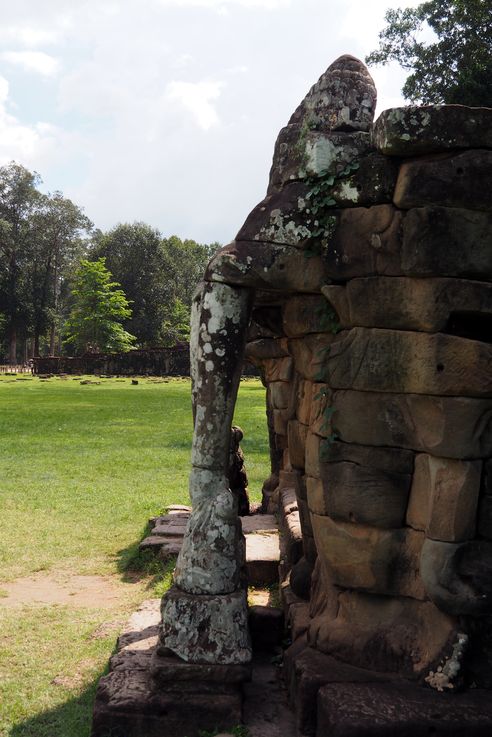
(55, 294)
(52, 339)
(13, 346)
(35, 350)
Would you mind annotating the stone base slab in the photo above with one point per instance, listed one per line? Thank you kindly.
(147, 695)
(403, 709)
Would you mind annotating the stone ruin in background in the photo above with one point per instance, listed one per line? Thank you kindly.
(361, 287)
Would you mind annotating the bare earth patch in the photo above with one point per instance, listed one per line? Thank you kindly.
(55, 587)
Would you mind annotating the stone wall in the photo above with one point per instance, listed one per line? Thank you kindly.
(157, 362)
(373, 337)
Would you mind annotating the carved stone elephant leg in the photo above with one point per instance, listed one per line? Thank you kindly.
(204, 616)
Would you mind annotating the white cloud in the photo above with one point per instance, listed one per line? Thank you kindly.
(196, 97)
(28, 36)
(33, 61)
(224, 4)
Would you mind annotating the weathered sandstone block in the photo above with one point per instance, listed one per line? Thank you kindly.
(278, 369)
(316, 496)
(309, 354)
(384, 633)
(321, 410)
(444, 498)
(462, 180)
(403, 303)
(368, 559)
(261, 265)
(279, 394)
(415, 130)
(372, 182)
(266, 348)
(304, 398)
(365, 485)
(458, 576)
(281, 218)
(433, 239)
(313, 463)
(485, 505)
(302, 153)
(402, 361)
(365, 241)
(424, 241)
(305, 314)
(297, 434)
(452, 427)
(343, 98)
(403, 709)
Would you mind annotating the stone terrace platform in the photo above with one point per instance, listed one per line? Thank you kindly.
(260, 531)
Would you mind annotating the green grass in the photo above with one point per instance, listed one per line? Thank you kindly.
(82, 468)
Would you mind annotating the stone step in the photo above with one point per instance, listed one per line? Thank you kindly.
(260, 531)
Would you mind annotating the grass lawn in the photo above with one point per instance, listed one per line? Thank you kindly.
(82, 468)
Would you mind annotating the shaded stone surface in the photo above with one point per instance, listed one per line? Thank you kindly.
(297, 435)
(433, 240)
(368, 559)
(309, 354)
(406, 362)
(266, 626)
(485, 504)
(462, 180)
(307, 672)
(383, 633)
(458, 576)
(364, 485)
(453, 427)
(424, 241)
(386, 710)
(444, 497)
(403, 303)
(307, 314)
(416, 130)
(257, 264)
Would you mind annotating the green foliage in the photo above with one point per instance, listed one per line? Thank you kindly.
(176, 327)
(158, 276)
(41, 236)
(98, 309)
(135, 258)
(321, 202)
(457, 67)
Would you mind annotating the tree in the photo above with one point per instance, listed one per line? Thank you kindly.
(19, 198)
(176, 327)
(59, 226)
(134, 256)
(158, 275)
(94, 324)
(457, 67)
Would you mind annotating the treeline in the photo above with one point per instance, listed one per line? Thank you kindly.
(44, 242)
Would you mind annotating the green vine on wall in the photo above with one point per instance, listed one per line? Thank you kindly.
(321, 204)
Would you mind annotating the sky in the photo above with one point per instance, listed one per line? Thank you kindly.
(167, 111)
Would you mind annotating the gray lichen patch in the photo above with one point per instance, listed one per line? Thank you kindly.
(206, 629)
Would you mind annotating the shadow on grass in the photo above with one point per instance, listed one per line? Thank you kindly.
(134, 565)
(73, 718)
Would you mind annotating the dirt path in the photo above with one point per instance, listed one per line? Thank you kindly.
(60, 587)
